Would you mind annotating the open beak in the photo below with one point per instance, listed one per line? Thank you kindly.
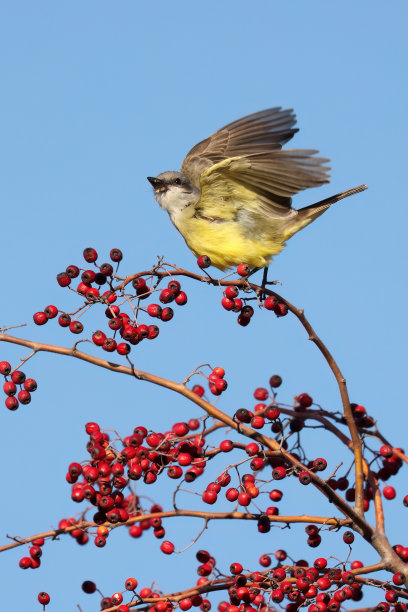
(157, 183)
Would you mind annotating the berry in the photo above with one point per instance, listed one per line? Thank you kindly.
(320, 464)
(131, 584)
(265, 560)
(76, 327)
(64, 320)
(304, 400)
(275, 381)
(90, 255)
(43, 598)
(198, 390)
(389, 492)
(63, 279)
(5, 368)
(25, 562)
(181, 298)
(204, 261)
(98, 338)
(9, 388)
(167, 547)
(261, 394)
(348, 537)
(24, 397)
(30, 384)
(123, 348)
(51, 312)
(116, 255)
(270, 302)
(278, 473)
(72, 271)
(12, 403)
(227, 304)
(40, 318)
(275, 495)
(18, 377)
(243, 269)
(281, 310)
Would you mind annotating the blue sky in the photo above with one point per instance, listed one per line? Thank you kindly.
(95, 97)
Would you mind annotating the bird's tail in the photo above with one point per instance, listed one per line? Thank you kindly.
(309, 213)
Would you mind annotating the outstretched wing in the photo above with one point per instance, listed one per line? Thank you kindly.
(259, 184)
(266, 130)
(248, 153)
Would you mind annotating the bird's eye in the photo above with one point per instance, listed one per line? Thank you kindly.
(177, 181)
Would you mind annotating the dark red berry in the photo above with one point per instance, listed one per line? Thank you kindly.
(30, 384)
(90, 255)
(18, 377)
(76, 327)
(64, 320)
(116, 255)
(5, 368)
(88, 587)
(43, 598)
(63, 279)
(72, 271)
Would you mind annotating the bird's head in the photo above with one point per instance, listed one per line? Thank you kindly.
(174, 191)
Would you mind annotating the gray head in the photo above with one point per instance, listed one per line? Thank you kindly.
(174, 191)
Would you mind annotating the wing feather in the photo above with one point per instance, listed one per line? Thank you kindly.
(265, 130)
(263, 183)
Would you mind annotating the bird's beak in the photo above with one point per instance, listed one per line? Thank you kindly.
(157, 183)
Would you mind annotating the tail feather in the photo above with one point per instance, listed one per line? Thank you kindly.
(309, 213)
(321, 206)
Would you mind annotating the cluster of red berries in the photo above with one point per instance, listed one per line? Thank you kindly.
(34, 560)
(216, 383)
(143, 455)
(17, 378)
(128, 328)
(233, 303)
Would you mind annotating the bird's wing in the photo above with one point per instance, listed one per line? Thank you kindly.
(260, 183)
(266, 130)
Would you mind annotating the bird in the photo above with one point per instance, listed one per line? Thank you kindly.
(232, 200)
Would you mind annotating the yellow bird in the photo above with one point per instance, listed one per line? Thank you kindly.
(232, 199)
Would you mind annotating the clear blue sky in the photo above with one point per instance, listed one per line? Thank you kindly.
(95, 97)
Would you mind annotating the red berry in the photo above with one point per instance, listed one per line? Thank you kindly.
(278, 473)
(12, 403)
(386, 451)
(244, 499)
(166, 314)
(181, 298)
(304, 400)
(281, 310)
(320, 464)
(231, 292)
(64, 320)
(9, 388)
(243, 269)
(43, 598)
(123, 348)
(24, 397)
(270, 302)
(348, 537)
(232, 494)
(226, 446)
(167, 547)
(63, 279)
(204, 261)
(5, 368)
(76, 327)
(109, 345)
(209, 497)
(40, 318)
(265, 560)
(72, 271)
(98, 338)
(25, 562)
(30, 385)
(275, 495)
(261, 394)
(51, 311)
(389, 492)
(116, 255)
(198, 390)
(153, 332)
(90, 255)
(227, 304)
